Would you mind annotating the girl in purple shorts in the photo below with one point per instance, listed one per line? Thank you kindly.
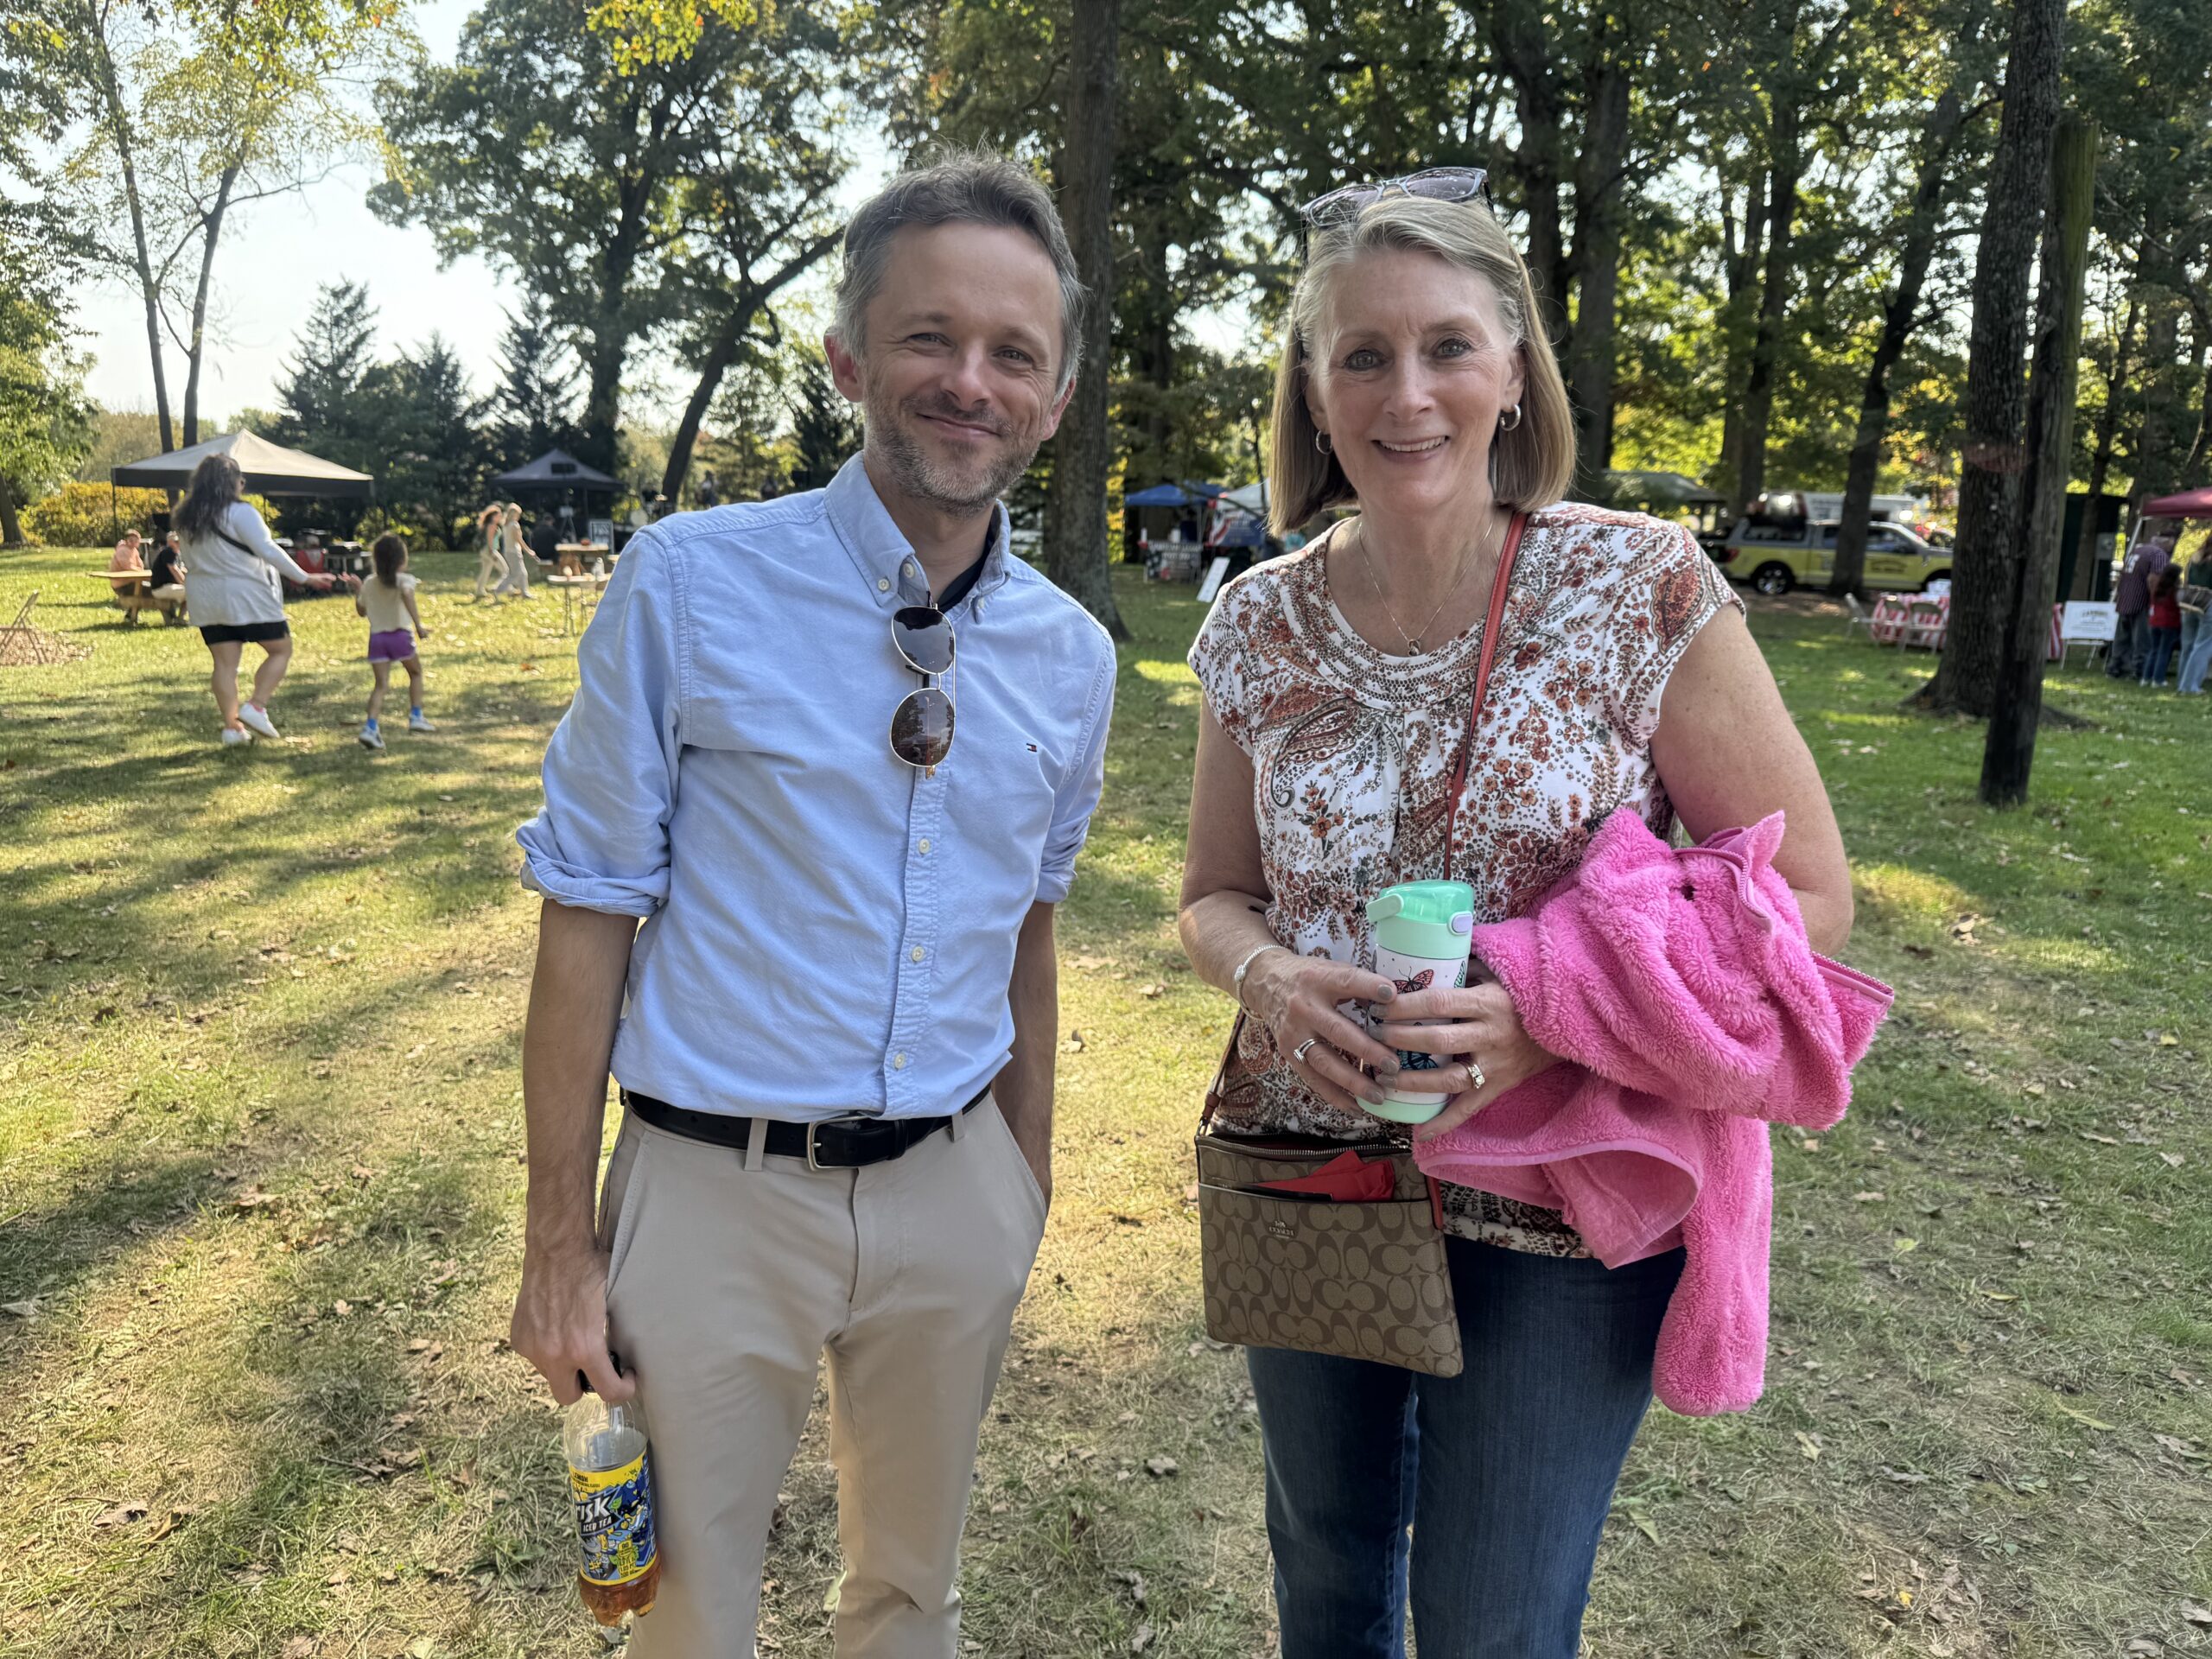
(387, 598)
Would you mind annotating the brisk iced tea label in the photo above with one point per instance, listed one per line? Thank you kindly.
(614, 1518)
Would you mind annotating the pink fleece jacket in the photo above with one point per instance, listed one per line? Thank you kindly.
(1690, 1013)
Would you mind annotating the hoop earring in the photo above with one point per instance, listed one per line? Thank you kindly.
(1504, 425)
(1321, 444)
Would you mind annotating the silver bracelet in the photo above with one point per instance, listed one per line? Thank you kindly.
(1236, 978)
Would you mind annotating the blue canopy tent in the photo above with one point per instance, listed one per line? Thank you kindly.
(1159, 495)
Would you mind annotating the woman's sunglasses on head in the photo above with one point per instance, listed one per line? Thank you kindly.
(1349, 201)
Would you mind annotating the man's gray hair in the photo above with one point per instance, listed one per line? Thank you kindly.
(962, 187)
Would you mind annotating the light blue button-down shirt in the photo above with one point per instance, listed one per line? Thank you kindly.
(827, 931)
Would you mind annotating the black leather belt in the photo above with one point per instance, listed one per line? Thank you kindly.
(837, 1145)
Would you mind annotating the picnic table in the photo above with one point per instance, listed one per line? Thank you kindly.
(133, 590)
(569, 586)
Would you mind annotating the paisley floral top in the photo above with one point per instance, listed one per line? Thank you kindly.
(1352, 752)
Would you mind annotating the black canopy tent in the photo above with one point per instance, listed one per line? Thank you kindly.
(557, 469)
(558, 473)
(269, 469)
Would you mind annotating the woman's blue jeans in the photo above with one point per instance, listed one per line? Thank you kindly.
(1504, 1473)
(2199, 659)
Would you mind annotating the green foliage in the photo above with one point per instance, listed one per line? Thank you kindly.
(825, 429)
(84, 515)
(535, 402)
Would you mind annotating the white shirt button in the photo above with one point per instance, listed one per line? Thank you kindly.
(916, 954)
(924, 844)
(908, 568)
(898, 1062)
(883, 584)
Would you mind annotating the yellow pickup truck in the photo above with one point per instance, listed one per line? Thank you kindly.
(1772, 557)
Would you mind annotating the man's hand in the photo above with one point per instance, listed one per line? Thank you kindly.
(560, 1323)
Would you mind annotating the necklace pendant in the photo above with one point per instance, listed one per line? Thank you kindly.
(1416, 647)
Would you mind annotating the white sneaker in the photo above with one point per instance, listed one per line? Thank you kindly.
(256, 720)
(232, 737)
(418, 721)
(372, 738)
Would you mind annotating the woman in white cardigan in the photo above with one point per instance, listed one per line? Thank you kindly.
(237, 599)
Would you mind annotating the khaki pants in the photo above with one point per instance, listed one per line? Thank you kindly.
(729, 1274)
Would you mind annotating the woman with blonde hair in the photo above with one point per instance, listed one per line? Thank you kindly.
(490, 569)
(1345, 747)
(237, 599)
(514, 551)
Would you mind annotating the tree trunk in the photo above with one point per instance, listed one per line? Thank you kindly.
(117, 121)
(11, 527)
(1774, 301)
(1983, 563)
(2202, 443)
(2008, 753)
(1524, 50)
(1075, 507)
(1898, 320)
(1740, 266)
(1598, 193)
(2154, 453)
(2085, 541)
(603, 396)
(211, 229)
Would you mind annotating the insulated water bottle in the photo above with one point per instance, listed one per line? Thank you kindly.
(1423, 930)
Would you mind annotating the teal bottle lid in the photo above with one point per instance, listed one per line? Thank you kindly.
(1424, 919)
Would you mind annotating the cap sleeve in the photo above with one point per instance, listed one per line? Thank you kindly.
(1218, 658)
(1670, 590)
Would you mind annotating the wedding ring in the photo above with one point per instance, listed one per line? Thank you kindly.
(1299, 1054)
(1475, 1080)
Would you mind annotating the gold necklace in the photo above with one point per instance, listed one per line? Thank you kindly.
(1412, 641)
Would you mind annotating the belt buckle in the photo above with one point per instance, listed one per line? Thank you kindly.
(812, 1162)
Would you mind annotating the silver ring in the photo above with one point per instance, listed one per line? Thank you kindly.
(1299, 1054)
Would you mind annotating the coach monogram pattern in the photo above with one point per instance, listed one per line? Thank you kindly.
(1358, 1280)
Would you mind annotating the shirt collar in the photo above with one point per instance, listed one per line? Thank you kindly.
(880, 551)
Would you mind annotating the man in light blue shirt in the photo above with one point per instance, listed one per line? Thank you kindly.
(836, 753)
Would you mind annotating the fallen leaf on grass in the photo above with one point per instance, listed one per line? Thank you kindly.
(1141, 1640)
(2173, 1160)
(1134, 1580)
(1870, 1198)
(121, 1515)
(1903, 1477)
(1162, 1467)
(252, 1198)
(1074, 1044)
(27, 1309)
(2179, 1448)
(2197, 1615)
(167, 1524)
(1809, 1445)
(2101, 1140)
(300, 1647)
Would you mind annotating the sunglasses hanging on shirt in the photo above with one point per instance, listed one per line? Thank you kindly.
(921, 727)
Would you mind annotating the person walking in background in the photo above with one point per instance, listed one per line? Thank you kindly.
(835, 1032)
(514, 551)
(236, 598)
(387, 598)
(1341, 749)
(2131, 597)
(491, 567)
(2162, 617)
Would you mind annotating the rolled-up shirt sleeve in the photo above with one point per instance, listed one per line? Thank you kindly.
(1078, 798)
(602, 841)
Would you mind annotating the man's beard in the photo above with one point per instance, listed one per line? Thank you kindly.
(924, 477)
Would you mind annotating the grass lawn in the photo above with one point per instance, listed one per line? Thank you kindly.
(261, 1183)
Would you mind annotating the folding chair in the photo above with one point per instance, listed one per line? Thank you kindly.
(1857, 616)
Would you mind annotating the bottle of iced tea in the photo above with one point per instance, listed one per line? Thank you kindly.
(611, 1476)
